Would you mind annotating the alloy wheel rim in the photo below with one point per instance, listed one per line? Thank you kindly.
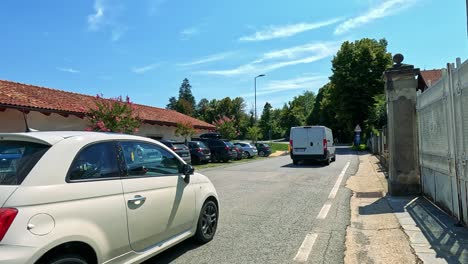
(209, 221)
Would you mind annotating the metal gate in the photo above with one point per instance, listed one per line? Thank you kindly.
(443, 140)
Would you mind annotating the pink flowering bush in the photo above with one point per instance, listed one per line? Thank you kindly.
(113, 115)
(226, 127)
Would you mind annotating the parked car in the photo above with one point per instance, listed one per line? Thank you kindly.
(249, 149)
(312, 143)
(220, 151)
(240, 153)
(88, 197)
(234, 151)
(179, 148)
(263, 149)
(212, 135)
(199, 152)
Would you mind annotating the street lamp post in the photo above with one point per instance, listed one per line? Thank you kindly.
(255, 88)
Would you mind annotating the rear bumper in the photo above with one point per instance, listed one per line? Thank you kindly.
(17, 255)
(309, 157)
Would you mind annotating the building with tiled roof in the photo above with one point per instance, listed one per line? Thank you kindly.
(427, 78)
(50, 109)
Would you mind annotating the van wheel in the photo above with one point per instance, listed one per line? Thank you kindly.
(334, 158)
(295, 162)
(328, 161)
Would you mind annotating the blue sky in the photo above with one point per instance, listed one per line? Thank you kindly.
(145, 48)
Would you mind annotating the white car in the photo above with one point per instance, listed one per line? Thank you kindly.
(87, 197)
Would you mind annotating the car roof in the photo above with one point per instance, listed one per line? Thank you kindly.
(53, 137)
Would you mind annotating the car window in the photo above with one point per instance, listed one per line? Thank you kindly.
(229, 144)
(144, 159)
(180, 146)
(201, 145)
(17, 158)
(97, 161)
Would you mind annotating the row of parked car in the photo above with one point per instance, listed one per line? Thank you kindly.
(210, 147)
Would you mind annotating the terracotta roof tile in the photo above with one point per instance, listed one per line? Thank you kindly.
(35, 97)
(431, 76)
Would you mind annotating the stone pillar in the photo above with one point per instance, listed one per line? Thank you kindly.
(400, 88)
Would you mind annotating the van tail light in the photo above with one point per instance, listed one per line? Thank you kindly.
(291, 143)
(7, 215)
(325, 145)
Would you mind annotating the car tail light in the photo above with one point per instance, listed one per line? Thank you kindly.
(199, 150)
(7, 215)
(226, 148)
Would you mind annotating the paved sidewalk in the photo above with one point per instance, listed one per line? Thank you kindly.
(386, 229)
(374, 235)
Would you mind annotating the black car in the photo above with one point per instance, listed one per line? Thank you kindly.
(220, 151)
(179, 148)
(199, 152)
(234, 151)
(264, 149)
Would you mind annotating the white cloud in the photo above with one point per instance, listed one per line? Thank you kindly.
(145, 68)
(207, 59)
(96, 19)
(385, 8)
(274, 32)
(70, 70)
(274, 60)
(302, 82)
(105, 18)
(189, 32)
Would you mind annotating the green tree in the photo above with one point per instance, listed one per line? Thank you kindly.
(357, 80)
(265, 123)
(254, 133)
(113, 115)
(185, 130)
(185, 103)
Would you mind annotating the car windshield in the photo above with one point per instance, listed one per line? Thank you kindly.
(17, 158)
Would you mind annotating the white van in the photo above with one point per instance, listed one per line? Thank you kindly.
(312, 143)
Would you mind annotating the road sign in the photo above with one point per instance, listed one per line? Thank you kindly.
(357, 129)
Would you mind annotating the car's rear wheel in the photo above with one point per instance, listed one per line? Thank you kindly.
(68, 259)
(247, 154)
(207, 222)
(261, 153)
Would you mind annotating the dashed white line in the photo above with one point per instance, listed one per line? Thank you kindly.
(306, 247)
(338, 182)
(324, 212)
(309, 241)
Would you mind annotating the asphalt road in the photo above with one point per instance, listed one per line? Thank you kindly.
(271, 210)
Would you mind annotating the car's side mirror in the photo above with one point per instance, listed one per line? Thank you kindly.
(187, 170)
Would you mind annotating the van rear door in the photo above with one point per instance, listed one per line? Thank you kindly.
(300, 140)
(315, 136)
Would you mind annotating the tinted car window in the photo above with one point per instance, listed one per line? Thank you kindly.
(201, 145)
(179, 146)
(17, 158)
(144, 159)
(97, 161)
(229, 144)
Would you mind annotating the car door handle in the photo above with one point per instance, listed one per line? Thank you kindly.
(137, 199)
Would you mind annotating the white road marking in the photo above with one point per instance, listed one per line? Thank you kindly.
(309, 241)
(338, 182)
(324, 212)
(306, 247)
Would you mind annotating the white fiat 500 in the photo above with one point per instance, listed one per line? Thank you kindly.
(86, 197)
